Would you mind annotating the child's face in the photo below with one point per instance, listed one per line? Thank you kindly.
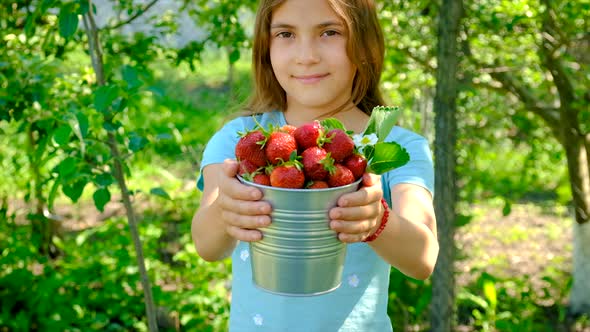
(308, 55)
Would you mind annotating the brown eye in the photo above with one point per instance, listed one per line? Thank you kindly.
(284, 34)
(329, 33)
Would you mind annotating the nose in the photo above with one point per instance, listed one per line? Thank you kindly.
(307, 51)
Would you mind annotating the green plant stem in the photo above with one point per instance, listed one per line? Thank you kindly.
(98, 64)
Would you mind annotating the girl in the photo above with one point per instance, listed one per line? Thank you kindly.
(314, 59)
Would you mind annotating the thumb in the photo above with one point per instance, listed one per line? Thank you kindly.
(370, 179)
(230, 167)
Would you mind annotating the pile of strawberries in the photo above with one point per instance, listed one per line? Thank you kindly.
(309, 156)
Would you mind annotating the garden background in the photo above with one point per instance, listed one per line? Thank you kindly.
(105, 108)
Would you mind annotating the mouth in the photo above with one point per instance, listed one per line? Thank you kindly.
(310, 79)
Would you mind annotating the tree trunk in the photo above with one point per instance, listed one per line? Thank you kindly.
(579, 302)
(98, 65)
(574, 141)
(577, 157)
(443, 284)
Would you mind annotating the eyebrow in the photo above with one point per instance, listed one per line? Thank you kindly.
(320, 26)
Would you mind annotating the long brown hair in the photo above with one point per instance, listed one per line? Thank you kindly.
(365, 49)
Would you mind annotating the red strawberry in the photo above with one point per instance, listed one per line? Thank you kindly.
(316, 163)
(287, 176)
(246, 167)
(341, 177)
(357, 164)
(308, 135)
(289, 129)
(251, 147)
(317, 185)
(338, 144)
(261, 178)
(279, 147)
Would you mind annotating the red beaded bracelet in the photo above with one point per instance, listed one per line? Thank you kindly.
(383, 222)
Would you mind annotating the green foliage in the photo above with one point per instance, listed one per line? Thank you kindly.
(163, 104)
(496, 304)
(95, 286)
(409, 300)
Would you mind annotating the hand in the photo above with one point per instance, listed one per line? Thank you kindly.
(242, 211)
(358, 214)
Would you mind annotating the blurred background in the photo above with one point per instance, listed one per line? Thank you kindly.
(106, 106)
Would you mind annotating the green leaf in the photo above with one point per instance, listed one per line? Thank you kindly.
(332, 123)
(382, 119)
(104, 97)
(53, 192)
(67, 167)
(104, 179)
(131, 76)
(507, 208)
(489, 291)
(137, 142)
(79, 125)
(101, 197)
(61, 135)
(388, 156)
(462, 220)
(468, 297)
(68, 22)
(160, 192)
(112, 126)
(234, 56)
(81, 128)
(368, 151)
(74, 190)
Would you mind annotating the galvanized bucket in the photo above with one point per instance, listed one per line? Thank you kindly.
(299, 254)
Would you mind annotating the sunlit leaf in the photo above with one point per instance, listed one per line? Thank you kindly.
(332, 123)
(489, 291)
(387, 156)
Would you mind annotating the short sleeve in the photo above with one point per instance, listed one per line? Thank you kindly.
(221, 146)
(420, 169)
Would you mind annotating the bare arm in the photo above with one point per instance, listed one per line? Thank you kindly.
(229, 211)
(408, 242)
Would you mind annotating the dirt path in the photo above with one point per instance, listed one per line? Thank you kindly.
(531, 241)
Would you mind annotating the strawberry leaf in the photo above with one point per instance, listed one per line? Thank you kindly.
(368, 151)
(332, 123)
(387, 156)
(382, 119)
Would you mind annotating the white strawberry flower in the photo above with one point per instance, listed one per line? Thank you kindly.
(360, 141)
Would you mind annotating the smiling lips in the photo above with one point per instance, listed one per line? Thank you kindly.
(310, 79)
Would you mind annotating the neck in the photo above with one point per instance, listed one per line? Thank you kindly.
(299, 115)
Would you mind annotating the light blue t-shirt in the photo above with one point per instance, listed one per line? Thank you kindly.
(360, 303)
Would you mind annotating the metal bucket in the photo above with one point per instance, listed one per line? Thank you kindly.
(299, 254)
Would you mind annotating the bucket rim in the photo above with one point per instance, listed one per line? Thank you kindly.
(354, 184)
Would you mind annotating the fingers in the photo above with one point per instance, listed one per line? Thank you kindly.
(246, 235)
(370, 192)
(352, 231)
(231, 187)
(357, 213)
(242, 210)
